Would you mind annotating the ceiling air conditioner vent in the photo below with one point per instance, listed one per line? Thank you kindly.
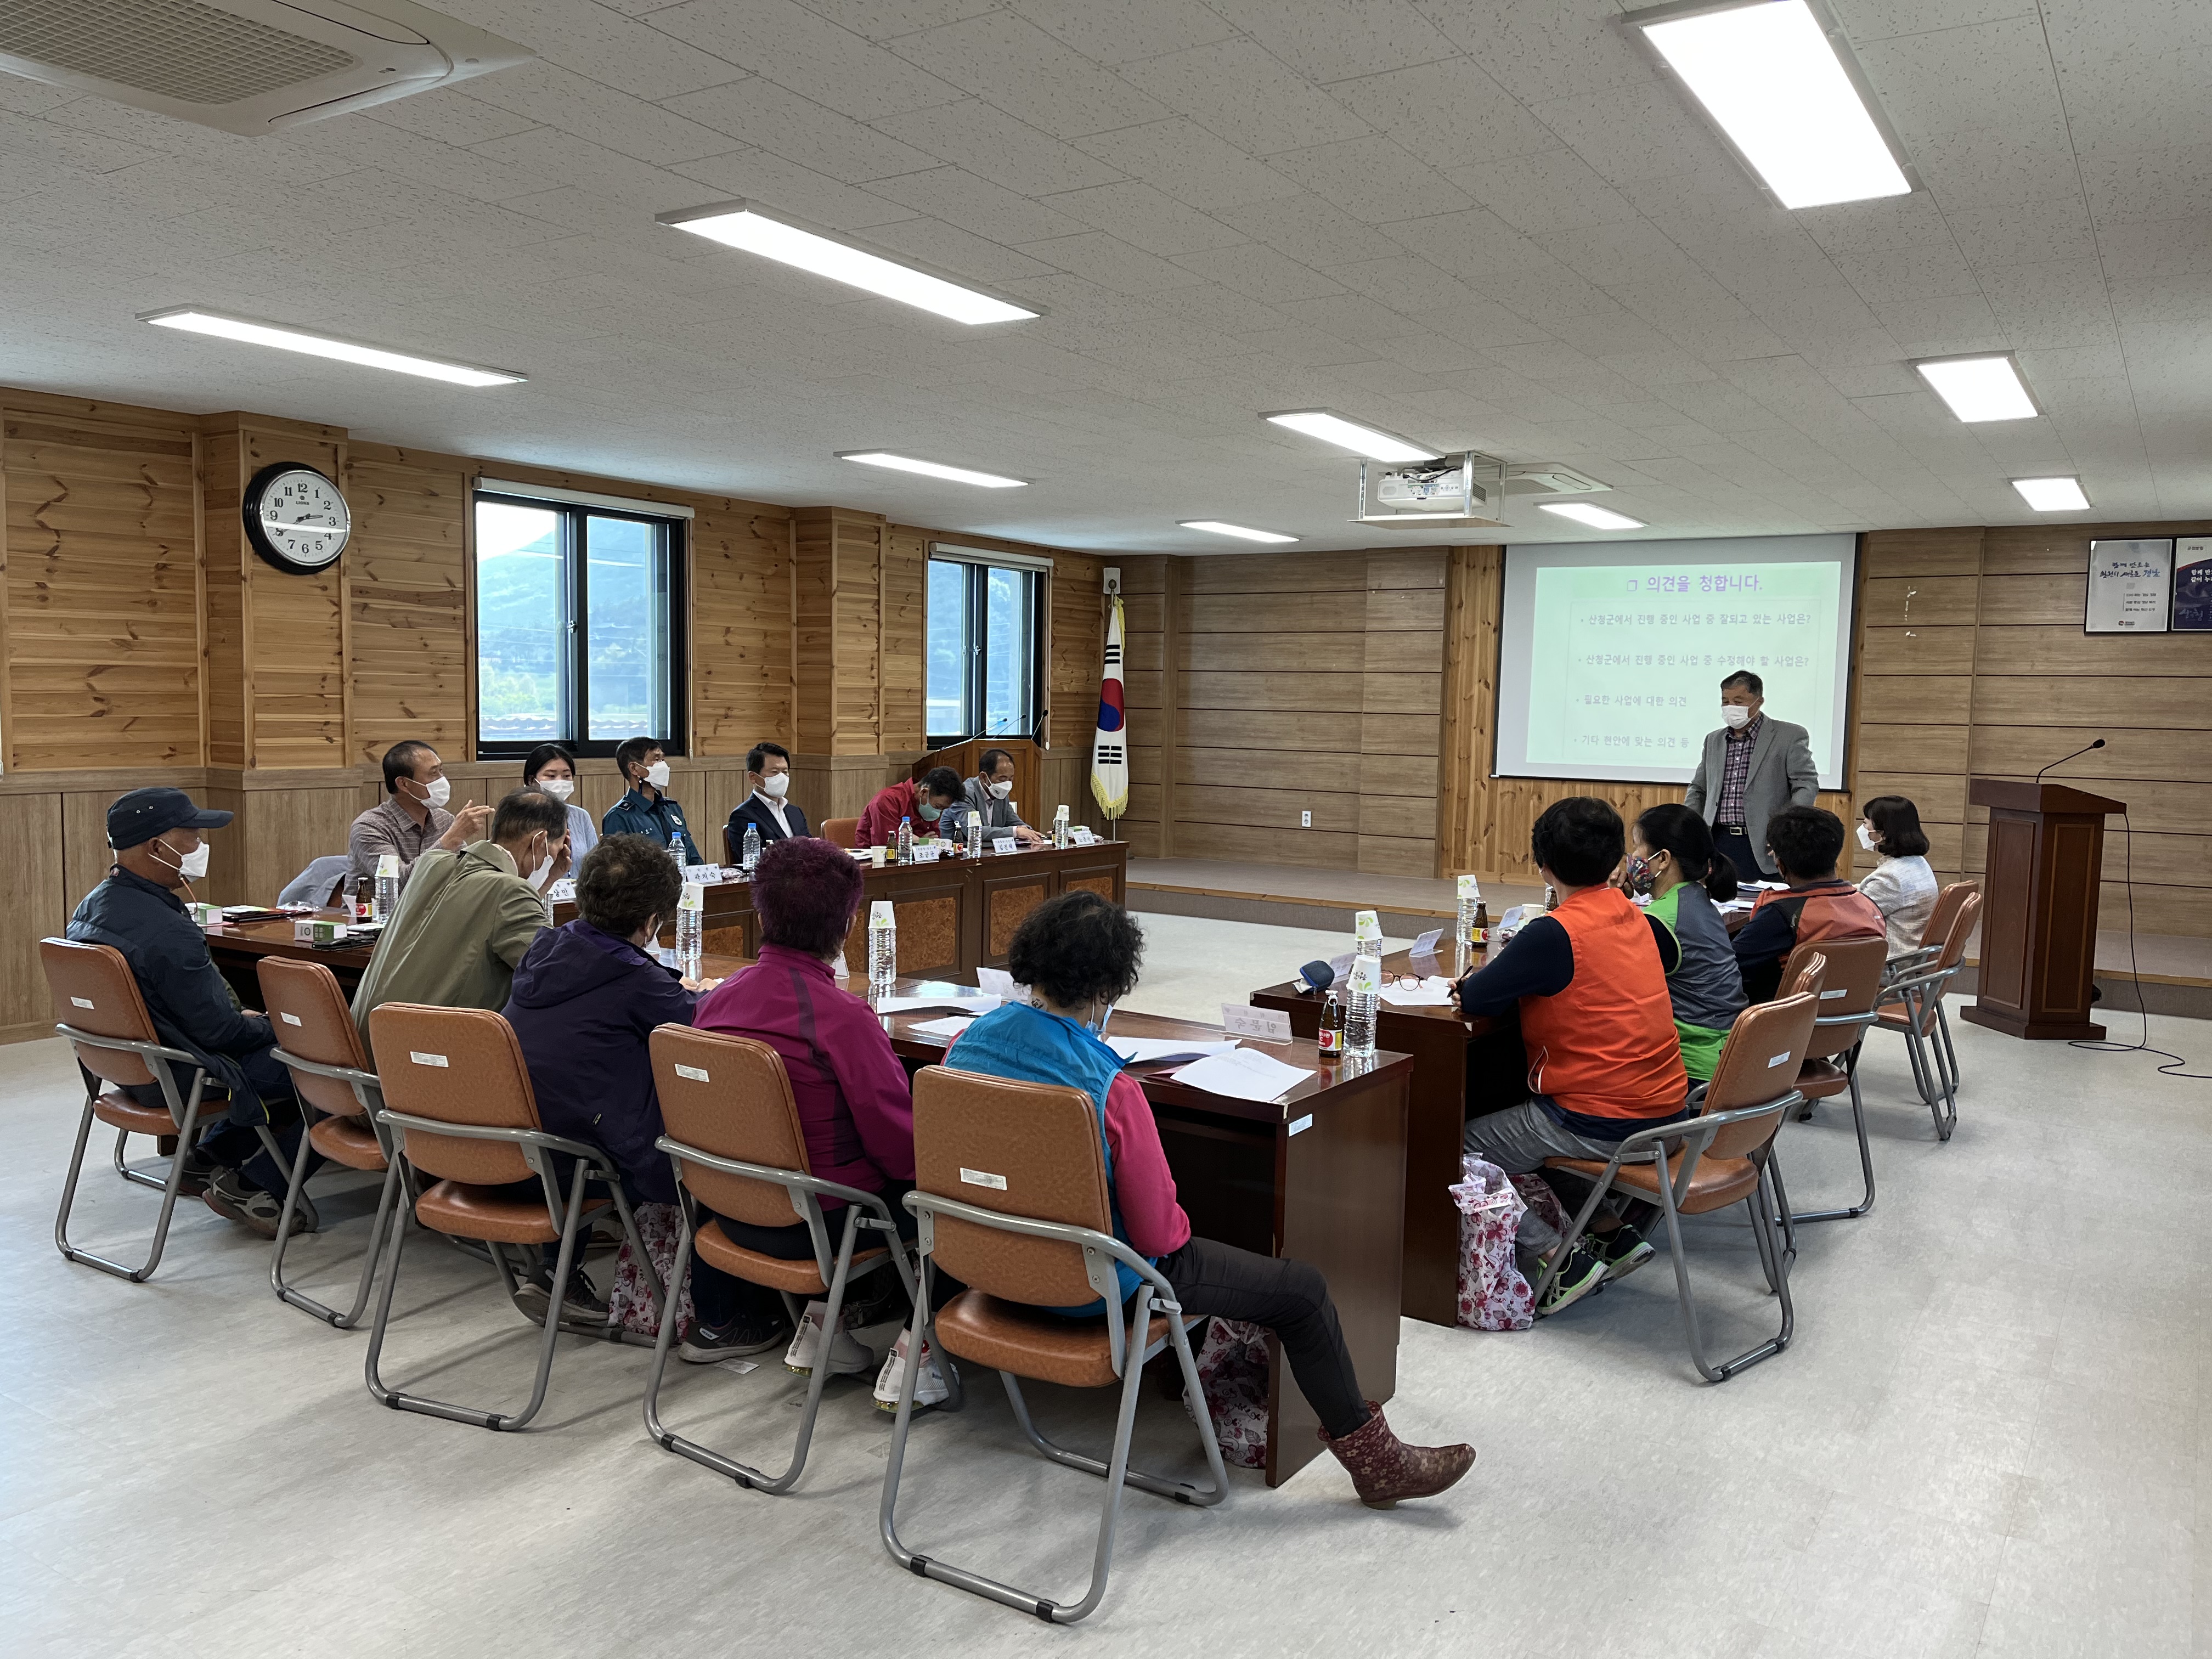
(246, 66)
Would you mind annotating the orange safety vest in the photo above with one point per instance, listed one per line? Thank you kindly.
(1607, 1045)
(1828, 910)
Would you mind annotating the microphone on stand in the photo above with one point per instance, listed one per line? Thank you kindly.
(2063, 759)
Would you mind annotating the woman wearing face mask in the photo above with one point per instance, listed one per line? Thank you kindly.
(551, 767)
(1079, 954)
(1673, 859)
(1902, 886)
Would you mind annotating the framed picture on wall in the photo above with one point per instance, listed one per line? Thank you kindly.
(2130, 586)
(2193, 584)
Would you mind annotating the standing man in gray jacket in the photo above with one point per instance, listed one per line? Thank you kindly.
(1751, 767)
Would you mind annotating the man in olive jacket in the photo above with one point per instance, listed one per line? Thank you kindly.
(465, 919)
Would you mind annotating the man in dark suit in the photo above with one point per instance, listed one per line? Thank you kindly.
(768, 769)
(1751, 767)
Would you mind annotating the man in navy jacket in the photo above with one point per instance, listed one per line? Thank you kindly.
(767, 771)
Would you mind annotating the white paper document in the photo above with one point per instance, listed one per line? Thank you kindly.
(972, 1002)
(1140, 1051)
(998, 982)
(1434, 992)
(1242, 1074)
(948, 1028)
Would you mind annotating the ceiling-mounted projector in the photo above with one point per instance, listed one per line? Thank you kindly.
(1456, 491)
(246, 66)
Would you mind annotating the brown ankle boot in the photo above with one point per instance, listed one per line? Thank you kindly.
(1384, 1469)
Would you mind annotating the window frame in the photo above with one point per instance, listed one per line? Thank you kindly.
(576, 625)
(976, 607)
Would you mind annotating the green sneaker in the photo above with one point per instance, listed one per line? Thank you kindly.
(1623, 1251)
(1583, 1273)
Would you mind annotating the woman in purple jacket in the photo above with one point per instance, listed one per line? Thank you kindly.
(856, 1104)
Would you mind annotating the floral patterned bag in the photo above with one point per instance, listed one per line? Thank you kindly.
(629, 1307)
(1232, 1369)
(1494, 1296)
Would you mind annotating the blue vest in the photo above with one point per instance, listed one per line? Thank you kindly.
(1032, 1046)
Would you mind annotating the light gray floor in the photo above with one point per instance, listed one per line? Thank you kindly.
(1989, 1439)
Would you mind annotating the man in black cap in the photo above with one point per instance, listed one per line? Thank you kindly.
(155, 833)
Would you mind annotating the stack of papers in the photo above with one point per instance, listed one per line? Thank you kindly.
(1242, 1074)
(968, 1001)
(1145, 1051)
(998, 982)
(948, 1028)
(1434, 992)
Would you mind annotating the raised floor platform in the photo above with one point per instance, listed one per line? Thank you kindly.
(2172, 972)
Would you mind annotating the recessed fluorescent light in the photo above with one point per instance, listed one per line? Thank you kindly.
(1985, 388)
(2053, 495)
(1597, 518)
(198, 320)
(1217, 528)
(745, 225)
(1780, 88)
(930, 469)
(1354, 435)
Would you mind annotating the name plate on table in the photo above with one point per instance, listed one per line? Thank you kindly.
(705, 874)
(1082, 837)
(1266, 1024)
(923, 854)
(1005, 844)
(563, 892)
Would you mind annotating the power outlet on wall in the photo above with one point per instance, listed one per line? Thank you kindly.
(1305, 820)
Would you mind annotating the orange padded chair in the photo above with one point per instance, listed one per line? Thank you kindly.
(736, 1141)
(98, 1008)
(317, 1038)
(1850, 986)
(844, 832)
(1913, 1005)
(1010, 1189)
(1707, 1163)
(457, 1092)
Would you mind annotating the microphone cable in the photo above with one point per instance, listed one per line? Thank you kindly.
(2142, 1044)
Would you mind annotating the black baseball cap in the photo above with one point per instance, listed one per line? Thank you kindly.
(145, 813)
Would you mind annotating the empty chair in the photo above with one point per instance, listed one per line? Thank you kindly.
(314, 884)
(1913, 1005)
(1707, 1163)
(1010, 1190)
(98, 1008)
(736, 1141)
(316, 1037)
(456, 1090)
(1851, 984)
(844, 832)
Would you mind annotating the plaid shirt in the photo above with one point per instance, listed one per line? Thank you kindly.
(1736, 771)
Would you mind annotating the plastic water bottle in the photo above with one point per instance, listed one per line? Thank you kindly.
(1465, 947)
(751, 853)
(690, 928)
(1366, 999)
(883, 948)
(905, 854)
(385, 901)
(1060, 827)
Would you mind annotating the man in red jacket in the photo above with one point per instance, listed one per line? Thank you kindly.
(1804, 842)
(924, 802)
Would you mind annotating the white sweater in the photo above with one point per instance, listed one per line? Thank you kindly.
(1903, 890)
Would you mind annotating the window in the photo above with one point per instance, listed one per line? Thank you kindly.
(578, 637)
(983, 647)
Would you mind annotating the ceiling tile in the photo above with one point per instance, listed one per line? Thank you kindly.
(1196, 167)
(1258, 272)
(813, 57)
(1556, 190)
(759, 114)
(994, 145)
(1371, 179)
(1237, 89)
(1029, 73)
(1145, 218)
(1122, 31)
(1327, 40)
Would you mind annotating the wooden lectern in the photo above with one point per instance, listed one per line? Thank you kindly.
(2039, 914)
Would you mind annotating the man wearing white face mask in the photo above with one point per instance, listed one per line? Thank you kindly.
(470, 916)
(413, 818)
(647, 809)
(155, 833)
(1751, 768)
(989, 790)
(768, 769)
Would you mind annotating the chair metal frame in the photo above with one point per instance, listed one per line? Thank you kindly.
(1850, 1057)
(157, 1058)
(367, 1091)
(1129, 1353)
(535, 1146)
(864, 1210)
(1649, 1147)
(1934, 1062)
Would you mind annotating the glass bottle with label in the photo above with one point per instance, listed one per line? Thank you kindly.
(1331, 1028)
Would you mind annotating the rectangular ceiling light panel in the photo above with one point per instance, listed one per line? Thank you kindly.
(1215, 526)
(198, 319)
(1783, 92)
(1983, 388)
(2053, 495)
(931, 469)
(1354, 435)
(1597, 518)
(745, 225)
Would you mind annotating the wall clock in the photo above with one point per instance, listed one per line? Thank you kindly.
(296, 519)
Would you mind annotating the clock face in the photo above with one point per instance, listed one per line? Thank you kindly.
(296, 517)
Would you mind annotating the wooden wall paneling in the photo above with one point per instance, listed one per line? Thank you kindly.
(230, 634)
(2103, 705)
(1886, 553)
(100, 534)
(38, 898)
(297, 629)
(2129, 757)
(1175, 616)
(741, 629)
(2007, 600)
(904, 627)
(408, 589)
(1918, 601)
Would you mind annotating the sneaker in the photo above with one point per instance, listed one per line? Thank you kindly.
(929, 1388)
(199, 1170)
(1623, 1251)
(582, 1305)
(848, 1356)
(234, 1198)
(739, 1338)
(1583, 1273)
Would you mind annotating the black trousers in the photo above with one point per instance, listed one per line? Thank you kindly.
(717, 1297)
(1736, 846)
(1289, 1298)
